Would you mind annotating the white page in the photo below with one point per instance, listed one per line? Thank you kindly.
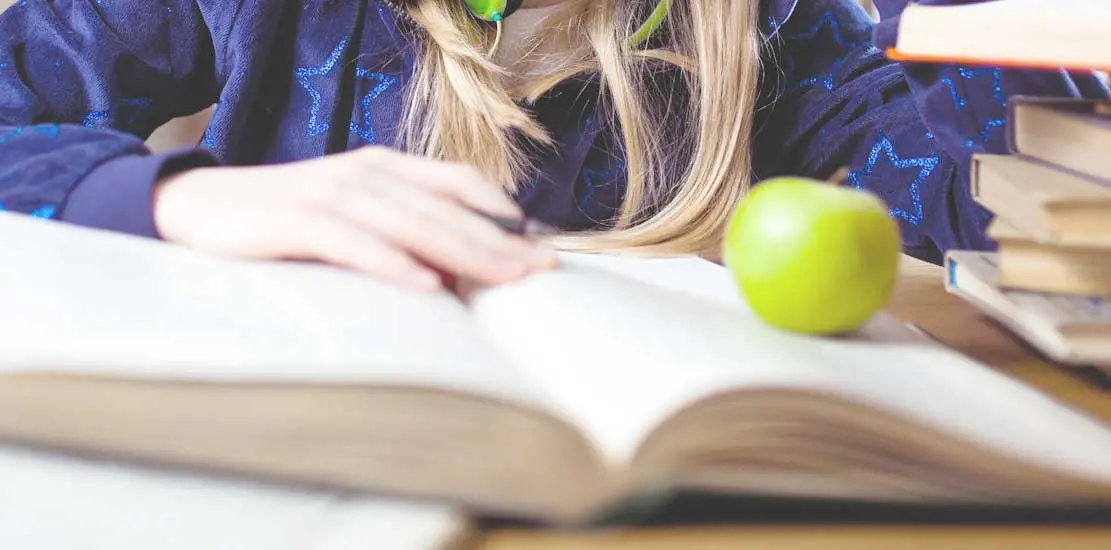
(100, 303)
(52, 502)
(621, 353)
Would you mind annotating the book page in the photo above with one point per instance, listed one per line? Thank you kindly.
(56, 502)
(1051, 309)
(624, 343)
(90, 302)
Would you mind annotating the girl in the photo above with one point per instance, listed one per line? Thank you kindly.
(372, 133)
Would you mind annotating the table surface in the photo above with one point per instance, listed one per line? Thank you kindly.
(920, 298)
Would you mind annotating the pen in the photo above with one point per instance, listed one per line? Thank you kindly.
(525, 227)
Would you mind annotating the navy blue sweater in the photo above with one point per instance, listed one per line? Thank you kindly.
(84, 82)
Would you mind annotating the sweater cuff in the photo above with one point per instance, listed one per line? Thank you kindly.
(117, 195)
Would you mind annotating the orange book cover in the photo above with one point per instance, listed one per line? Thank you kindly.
(1027, 34)
(1013, 63)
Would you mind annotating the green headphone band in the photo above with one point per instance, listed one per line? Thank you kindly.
(497, 10)
(492, 10)
(650, 26)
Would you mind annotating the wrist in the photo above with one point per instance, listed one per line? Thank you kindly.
(118, 194)
(169, 202)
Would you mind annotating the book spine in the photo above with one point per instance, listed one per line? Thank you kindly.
(1065, 170)
(1010, 134)
(974, 179)
(1019, 102)
(1080, 106)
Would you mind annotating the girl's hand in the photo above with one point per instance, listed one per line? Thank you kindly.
(374, 210)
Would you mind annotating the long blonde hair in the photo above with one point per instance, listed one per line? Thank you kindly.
(461, 109)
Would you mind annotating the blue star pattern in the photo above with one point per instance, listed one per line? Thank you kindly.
(133, 107)
(317, 125)
(772, 25)
(94, 119)
(596, 179)
(386, 18)
(383, 83)
(16, 132)
(209, 138)
(50, 131)
(45, 212)
(828, 81)
(960, 101)
(987, 128)
(925, 166)
(828, 23)
(591, 121)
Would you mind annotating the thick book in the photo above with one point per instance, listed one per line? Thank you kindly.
(1048, 34)
(1072, 135)
(1051, 205)
(601, 385)
(1025, 263)
(1071, 330)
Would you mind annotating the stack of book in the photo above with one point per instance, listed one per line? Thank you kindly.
(1050, 279)
(1051, 195)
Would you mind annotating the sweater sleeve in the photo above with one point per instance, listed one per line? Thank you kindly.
(82, 84)
(906, 132)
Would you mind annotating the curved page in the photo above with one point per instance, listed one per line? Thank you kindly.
(623, 343)
(78, 301)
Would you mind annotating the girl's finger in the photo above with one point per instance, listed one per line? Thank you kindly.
(457, 181)
(476, 230)
(449, 243)
(338, 241)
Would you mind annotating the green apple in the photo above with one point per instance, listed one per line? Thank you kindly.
(813, 257)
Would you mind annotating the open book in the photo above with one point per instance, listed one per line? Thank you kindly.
(556, 398)
(1020, 33)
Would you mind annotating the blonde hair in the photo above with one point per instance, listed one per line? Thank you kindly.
(461, 109)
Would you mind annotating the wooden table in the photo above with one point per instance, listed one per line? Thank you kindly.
(920, 299)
